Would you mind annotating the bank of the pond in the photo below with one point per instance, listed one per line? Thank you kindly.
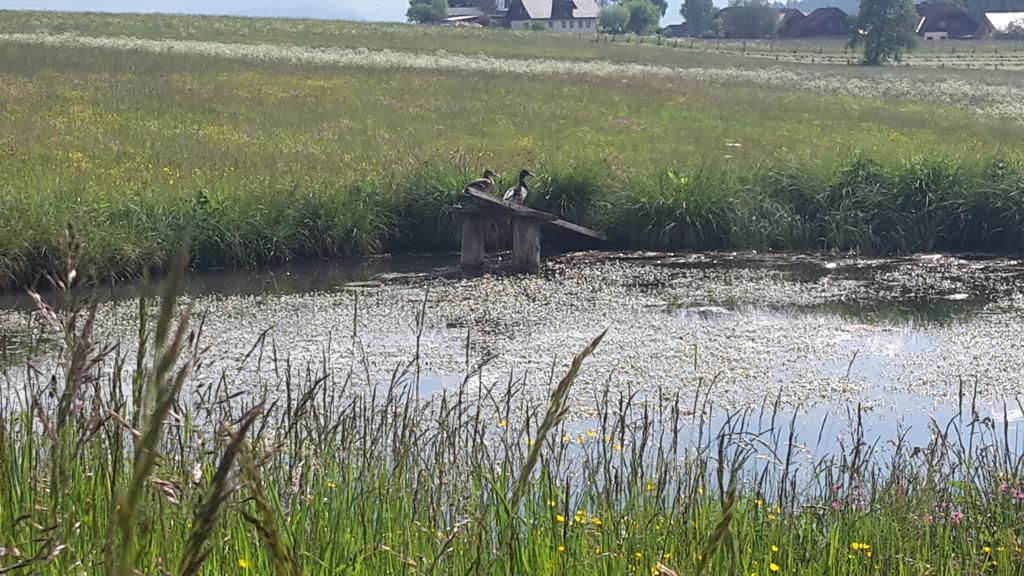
(862, 205)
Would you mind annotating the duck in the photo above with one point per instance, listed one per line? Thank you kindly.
(483, 185)
(517, 195)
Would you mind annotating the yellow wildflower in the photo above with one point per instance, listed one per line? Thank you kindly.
(503, 424)
(243, 563)
(986, 549)
(560, 519)
(551, 503)
(771, 517)
(596, 521)
(638, 555)
(774, 567)
(775, 548)
(561, 548)
(331, 485)
(667, 556)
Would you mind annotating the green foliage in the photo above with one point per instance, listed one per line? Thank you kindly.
(886, 28)
(643, 16)
(614, 19)
(427, 10)
(661, 5)
(750, 19)
(699, 15)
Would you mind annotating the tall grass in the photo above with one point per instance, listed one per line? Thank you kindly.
(304, 473)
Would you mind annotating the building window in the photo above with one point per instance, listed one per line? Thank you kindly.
(572, 24)
(589, 23)
(563, 23)
(551, 24)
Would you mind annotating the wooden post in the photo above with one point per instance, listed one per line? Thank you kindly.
(526, 244)
(472, 255)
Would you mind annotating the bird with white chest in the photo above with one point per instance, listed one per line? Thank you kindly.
(517, 194)
(483, 185)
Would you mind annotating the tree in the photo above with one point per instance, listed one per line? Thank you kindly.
(886, 28)
(699, 14)
(751, 19)
(642, 15)
(427, 10)
(661, 5)
(614, 19)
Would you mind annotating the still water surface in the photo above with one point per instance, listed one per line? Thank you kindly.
(903, 342)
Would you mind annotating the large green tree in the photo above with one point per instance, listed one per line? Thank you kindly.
(643, 16)
(427, 10)
(886, 28)
(751, 19)
(614, 19)
(699, 15)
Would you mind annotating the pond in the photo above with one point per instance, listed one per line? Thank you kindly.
(898, 342)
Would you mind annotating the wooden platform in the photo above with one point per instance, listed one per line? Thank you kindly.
(476, 208)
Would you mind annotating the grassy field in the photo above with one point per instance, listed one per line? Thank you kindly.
(259, 154)
(156, 467)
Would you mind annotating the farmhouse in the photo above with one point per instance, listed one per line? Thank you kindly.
(829, 21)
(789, 22)
(937, 21)
(555, 15)
(996, 23)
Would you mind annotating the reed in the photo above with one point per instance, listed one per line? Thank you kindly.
(323, 477)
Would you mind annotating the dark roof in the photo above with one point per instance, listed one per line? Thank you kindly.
(934, 17)
(789, 21)
(829, 21)
(678, 30)
(463, 12)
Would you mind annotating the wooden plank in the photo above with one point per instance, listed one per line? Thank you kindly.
(566, 226)
(507, 208)
(487, 205)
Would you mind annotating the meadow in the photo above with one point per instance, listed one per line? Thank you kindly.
(256, 142)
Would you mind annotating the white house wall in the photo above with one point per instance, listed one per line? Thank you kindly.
(576, 25)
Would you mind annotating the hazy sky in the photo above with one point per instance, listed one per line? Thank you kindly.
(381, 10)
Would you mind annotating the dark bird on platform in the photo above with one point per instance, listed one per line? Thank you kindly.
(517, 195)
(484, 185)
